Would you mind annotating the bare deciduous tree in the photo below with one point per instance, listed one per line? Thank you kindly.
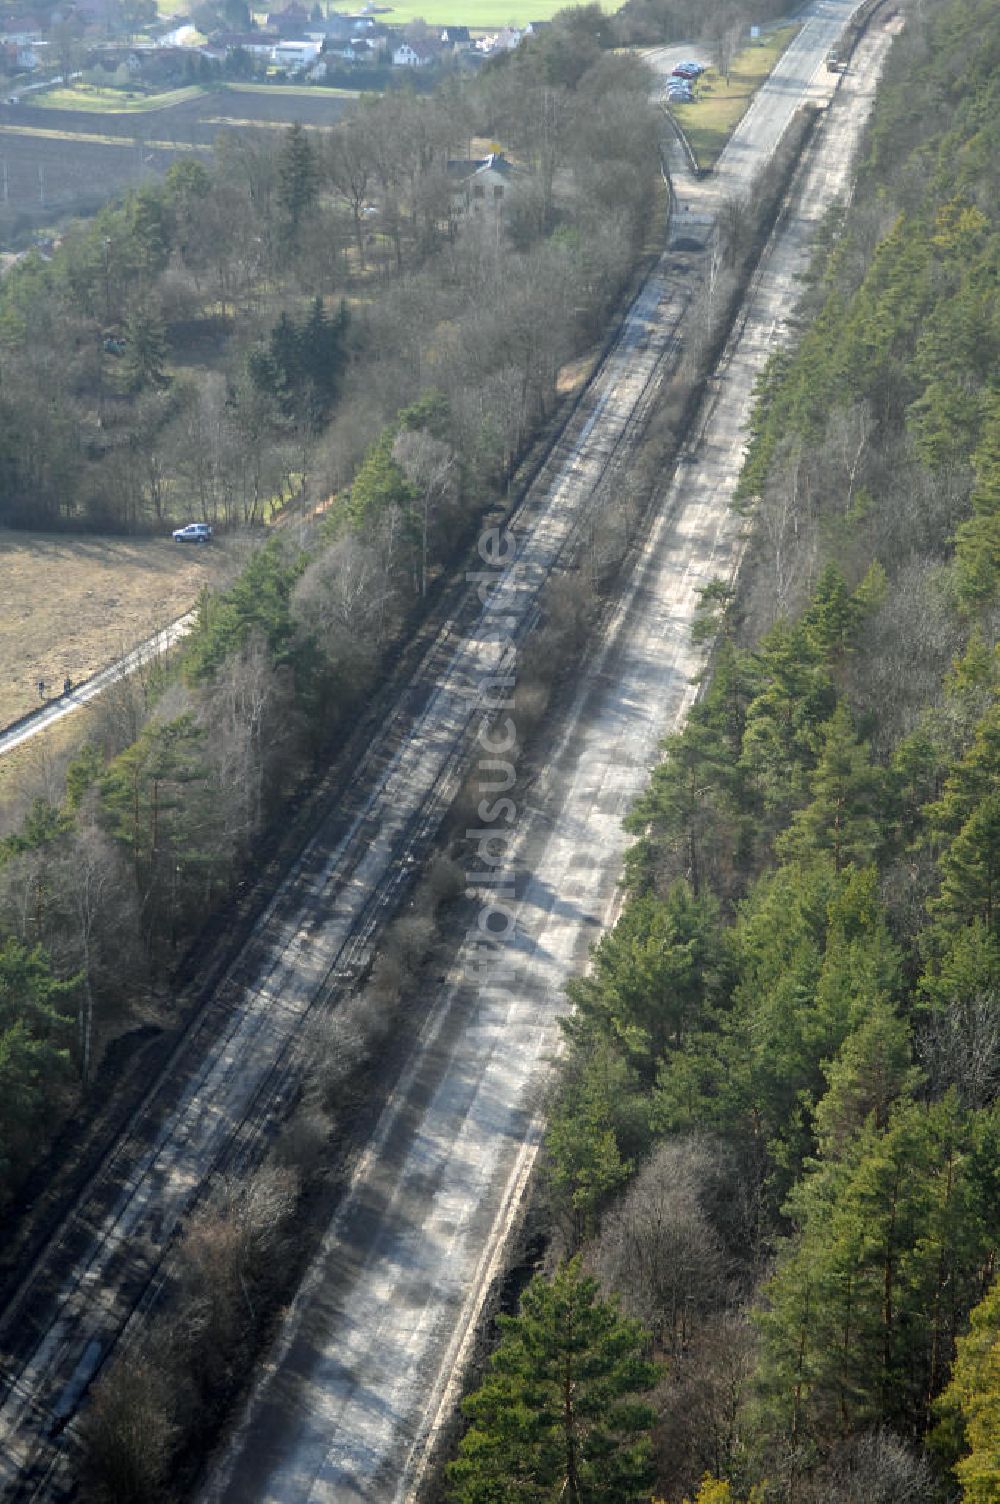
(431, 467)
(785, 551)
(350, 166)
(229, 1249)
(875, 1467)
(849, 433)
(701, 1405)
(961, 1048)
(342, 599)
(94, 892)
(658, 1247)
(127, 1433)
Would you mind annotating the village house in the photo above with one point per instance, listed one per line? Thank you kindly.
(508, 38)
(367, 26)
(482, 185)
(456, 37)
(335, 27)
(414, 55)
(345, 51)
(500, 41)
(22, 51)
(363, 51)
(98, 15)
(369, 49)
(257, 43)
(296, 55)
(290, 22)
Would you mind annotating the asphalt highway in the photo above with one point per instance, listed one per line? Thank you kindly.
(367, 1368)
(364, 1370)
(247, 1052)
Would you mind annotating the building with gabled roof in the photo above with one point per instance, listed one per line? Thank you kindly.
(415, 55)
(482, 183)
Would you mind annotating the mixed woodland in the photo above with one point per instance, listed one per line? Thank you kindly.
(777, 1140)
(310, 318)
(773, 1164)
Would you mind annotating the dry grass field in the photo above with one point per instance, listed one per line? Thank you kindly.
(72, 605)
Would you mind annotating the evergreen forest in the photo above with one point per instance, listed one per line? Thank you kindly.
(776, 1144)
(772, 1171)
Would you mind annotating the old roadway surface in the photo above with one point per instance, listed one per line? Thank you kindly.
(247, 1050)
(248, 1047)
(366, 1368)
(361, 1375)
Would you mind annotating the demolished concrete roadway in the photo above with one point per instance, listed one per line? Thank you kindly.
(366, 1370)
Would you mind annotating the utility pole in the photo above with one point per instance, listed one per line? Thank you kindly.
(107, 279)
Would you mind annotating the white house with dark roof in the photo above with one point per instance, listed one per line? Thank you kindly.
(257, 43)
(296, 55)
(414, 55)
(482, 185)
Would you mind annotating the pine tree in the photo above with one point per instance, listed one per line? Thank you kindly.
(149, 226)
(34, 1051)
(686, 795)
(973, 778)
(380, 486)
(795, 699)
(776, 1040)
(145, 349)
(872, 1070)
(832, 615)
(841, 815)
(285, 348)
(977, 552)
(893, 1242)
(970, 870)
(969, 809)
(30, 993)
(322, 358)
(157, 803)
(652, 976)
(586, 1165)
(560, 1418)
(970, 1406)
(298, 180)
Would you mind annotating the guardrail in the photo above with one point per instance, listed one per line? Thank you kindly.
(686, 147)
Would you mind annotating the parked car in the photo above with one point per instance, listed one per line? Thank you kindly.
(195, 532)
